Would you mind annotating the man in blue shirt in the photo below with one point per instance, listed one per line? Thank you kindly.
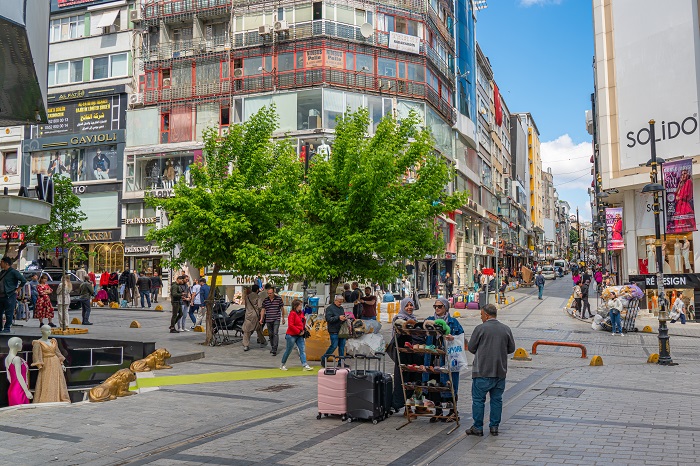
(10, 281)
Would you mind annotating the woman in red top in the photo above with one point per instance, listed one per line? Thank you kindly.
(43, 309)
(296, 325)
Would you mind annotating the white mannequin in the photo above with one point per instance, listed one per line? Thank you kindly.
(45, 332)
(677, 256)
(651, 256)
(324, 150)
(15, 345)
(685, 252)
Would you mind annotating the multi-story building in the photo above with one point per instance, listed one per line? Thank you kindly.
(640, 48)
(563, 226)
(216, 62)
(548, 203)
(89, 73)
(519, 162)
(536, 239)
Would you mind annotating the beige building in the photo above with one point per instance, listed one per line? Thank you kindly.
(534, 183)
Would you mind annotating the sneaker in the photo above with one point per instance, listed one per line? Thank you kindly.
(474, 431)
(613, 333)
(86, 323)
(192, 328)
(7, 330)
(246, 348)
(172, 330)
(274, 353)
(186, 330)
(52, 325)
(283, 368)
(494, 431)
(308, 368)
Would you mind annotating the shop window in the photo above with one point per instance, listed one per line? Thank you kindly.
(165, 128)
(89, 164)
(317, 10)
(9, 163)
(309, 106)
(139, 211)
(160, 171)
(333, 106)
(678, 254)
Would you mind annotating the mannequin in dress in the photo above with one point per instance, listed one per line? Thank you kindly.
(666, 265)
(685, 253)
(51, 382)
(17, 369)
(651, 256)
(324, 150)
(168, 175)
(677, 257)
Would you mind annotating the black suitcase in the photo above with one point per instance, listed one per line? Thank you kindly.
(387, 387)
(365, 393)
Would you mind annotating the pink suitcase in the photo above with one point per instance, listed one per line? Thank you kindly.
(460, 305)
(332, 391)
(473, 305)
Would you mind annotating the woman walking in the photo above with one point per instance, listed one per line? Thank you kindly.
(615, 307)
(43, 309)
(185, 303)
(296, 326)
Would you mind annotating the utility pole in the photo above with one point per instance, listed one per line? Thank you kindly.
(578, 233)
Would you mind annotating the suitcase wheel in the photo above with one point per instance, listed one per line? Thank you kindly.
(319, 416)
(349, 419)
(344, 418)
(374, 421)
(326, 415)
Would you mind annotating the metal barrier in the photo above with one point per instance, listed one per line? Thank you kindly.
(584, 354)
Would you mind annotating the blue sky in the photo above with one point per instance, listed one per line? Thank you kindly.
(541, 52)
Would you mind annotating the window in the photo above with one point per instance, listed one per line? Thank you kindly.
(224, 116)
(111, 66)
(318, 10)
(416, 72)
(225, 69)
(364, 61)
(71, 27)
(140, 211)
(65, 72)
(9, 163)
(285, 61)
(386, 67)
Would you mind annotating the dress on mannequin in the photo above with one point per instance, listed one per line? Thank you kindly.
(16, 368)
(677, 257)
(667, 266)
(685, 252)
(651, 256)
(51, 383)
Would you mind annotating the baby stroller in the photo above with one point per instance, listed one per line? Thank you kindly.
(223, 323)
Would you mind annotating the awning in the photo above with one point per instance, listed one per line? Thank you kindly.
(108, 18)
(447, 220)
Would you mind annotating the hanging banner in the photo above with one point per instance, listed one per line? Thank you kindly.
(613, 222)
(680, 207)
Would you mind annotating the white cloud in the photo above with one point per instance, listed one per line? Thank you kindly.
(528, 3)
(571, 166)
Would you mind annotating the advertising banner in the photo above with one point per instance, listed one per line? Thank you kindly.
(613, 224)
(404, 42)
(101, 114)
(680, 206)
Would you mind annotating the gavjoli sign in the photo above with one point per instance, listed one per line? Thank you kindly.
(93, 138)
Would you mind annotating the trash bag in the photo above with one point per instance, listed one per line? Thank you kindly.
(372, 326)
(369, 343)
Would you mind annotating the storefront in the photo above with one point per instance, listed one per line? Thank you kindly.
(157, 173)
(104, 249)
(674, 285)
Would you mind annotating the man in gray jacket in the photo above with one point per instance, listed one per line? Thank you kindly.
(491, 343)
(251, 324)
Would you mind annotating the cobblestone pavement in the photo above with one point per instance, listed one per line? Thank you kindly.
(557, 410)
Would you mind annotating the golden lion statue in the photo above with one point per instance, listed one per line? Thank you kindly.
(152, 362)
(115, 386)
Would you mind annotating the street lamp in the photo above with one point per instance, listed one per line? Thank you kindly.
(656, 188)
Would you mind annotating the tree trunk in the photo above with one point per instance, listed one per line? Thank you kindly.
(335, 281)
(210, 305)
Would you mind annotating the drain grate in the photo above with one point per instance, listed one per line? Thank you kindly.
(276, 388)
(565, 392)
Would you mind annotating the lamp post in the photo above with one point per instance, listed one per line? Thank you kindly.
(656, 188)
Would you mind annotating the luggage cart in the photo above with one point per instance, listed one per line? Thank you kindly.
(628, 323)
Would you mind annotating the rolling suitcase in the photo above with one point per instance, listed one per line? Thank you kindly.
(387, 387)
(365, 393)
(460, 305)
(332, 391)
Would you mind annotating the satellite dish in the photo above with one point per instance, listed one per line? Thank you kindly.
(366, 30)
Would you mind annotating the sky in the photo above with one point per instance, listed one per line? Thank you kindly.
(541, 52)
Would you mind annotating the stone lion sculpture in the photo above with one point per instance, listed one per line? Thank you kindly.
(152, 362)
(115, 386)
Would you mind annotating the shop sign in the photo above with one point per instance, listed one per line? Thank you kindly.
(334, 58)
(404, 42)
(81, 116)
(314, 57)
(161, 193)
(80, 189)
(147, 249)
(14, 236)
(140, 221)
(690, 280)
(94, 139)
(96, 236)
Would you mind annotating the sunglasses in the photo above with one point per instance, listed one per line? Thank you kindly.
(438, 306)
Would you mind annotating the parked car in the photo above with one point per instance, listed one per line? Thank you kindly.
(54, 280)
(548, 272)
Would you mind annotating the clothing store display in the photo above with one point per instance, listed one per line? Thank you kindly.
(51, 382)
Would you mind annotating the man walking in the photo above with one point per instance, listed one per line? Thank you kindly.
(144, 284)
(253, 308)
(175, 296)
(585, 305)
(204, 295)
(10, 281)
(272, 312)
(449, 285)
(490, 343)
(335, 316)
(86, 293)
(539, 282)
(156, 285)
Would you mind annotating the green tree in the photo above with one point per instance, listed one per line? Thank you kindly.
(240, 203)
(65, 220)
(372, 204)
(573, 236)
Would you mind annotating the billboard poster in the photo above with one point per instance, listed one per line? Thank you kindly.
(680, 206)
(100, 114)
(80, 164)
(613, 224)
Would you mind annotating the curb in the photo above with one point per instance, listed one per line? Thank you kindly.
(186, 357)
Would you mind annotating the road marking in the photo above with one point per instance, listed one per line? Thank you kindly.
(213, 377)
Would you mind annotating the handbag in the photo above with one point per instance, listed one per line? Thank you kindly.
(345, 330)
(306, 334)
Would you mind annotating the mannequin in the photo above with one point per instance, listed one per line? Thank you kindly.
(677, 256)
(168, 175)
(666, 265)
(324, 150)
(651, 256)
(685, 253)
(17, 369)
(51, 382)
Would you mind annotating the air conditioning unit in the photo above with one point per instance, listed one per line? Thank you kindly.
(281, 26)
(238, 73)
(135, 15)
(265, 29)
(136, 99)
(166, 82)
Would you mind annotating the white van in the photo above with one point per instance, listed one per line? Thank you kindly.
(563, 264)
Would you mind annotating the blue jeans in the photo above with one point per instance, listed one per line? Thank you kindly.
(495, 387)
(335, 343)
(301, 344)
(147, 295)
(540, 288)
(7, 307)
(616, 322)
(194, 308)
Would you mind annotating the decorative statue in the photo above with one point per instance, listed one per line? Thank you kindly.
(16, 367)
(115, 386)
(154, 361)
(51, 383)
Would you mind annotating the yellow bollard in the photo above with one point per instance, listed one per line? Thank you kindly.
(198, 328)
(653, 358)
(596, 361)
(75, 321)
(135, 324)
(521, 355)
(159, 307)
(647, 329)
(456, 314)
